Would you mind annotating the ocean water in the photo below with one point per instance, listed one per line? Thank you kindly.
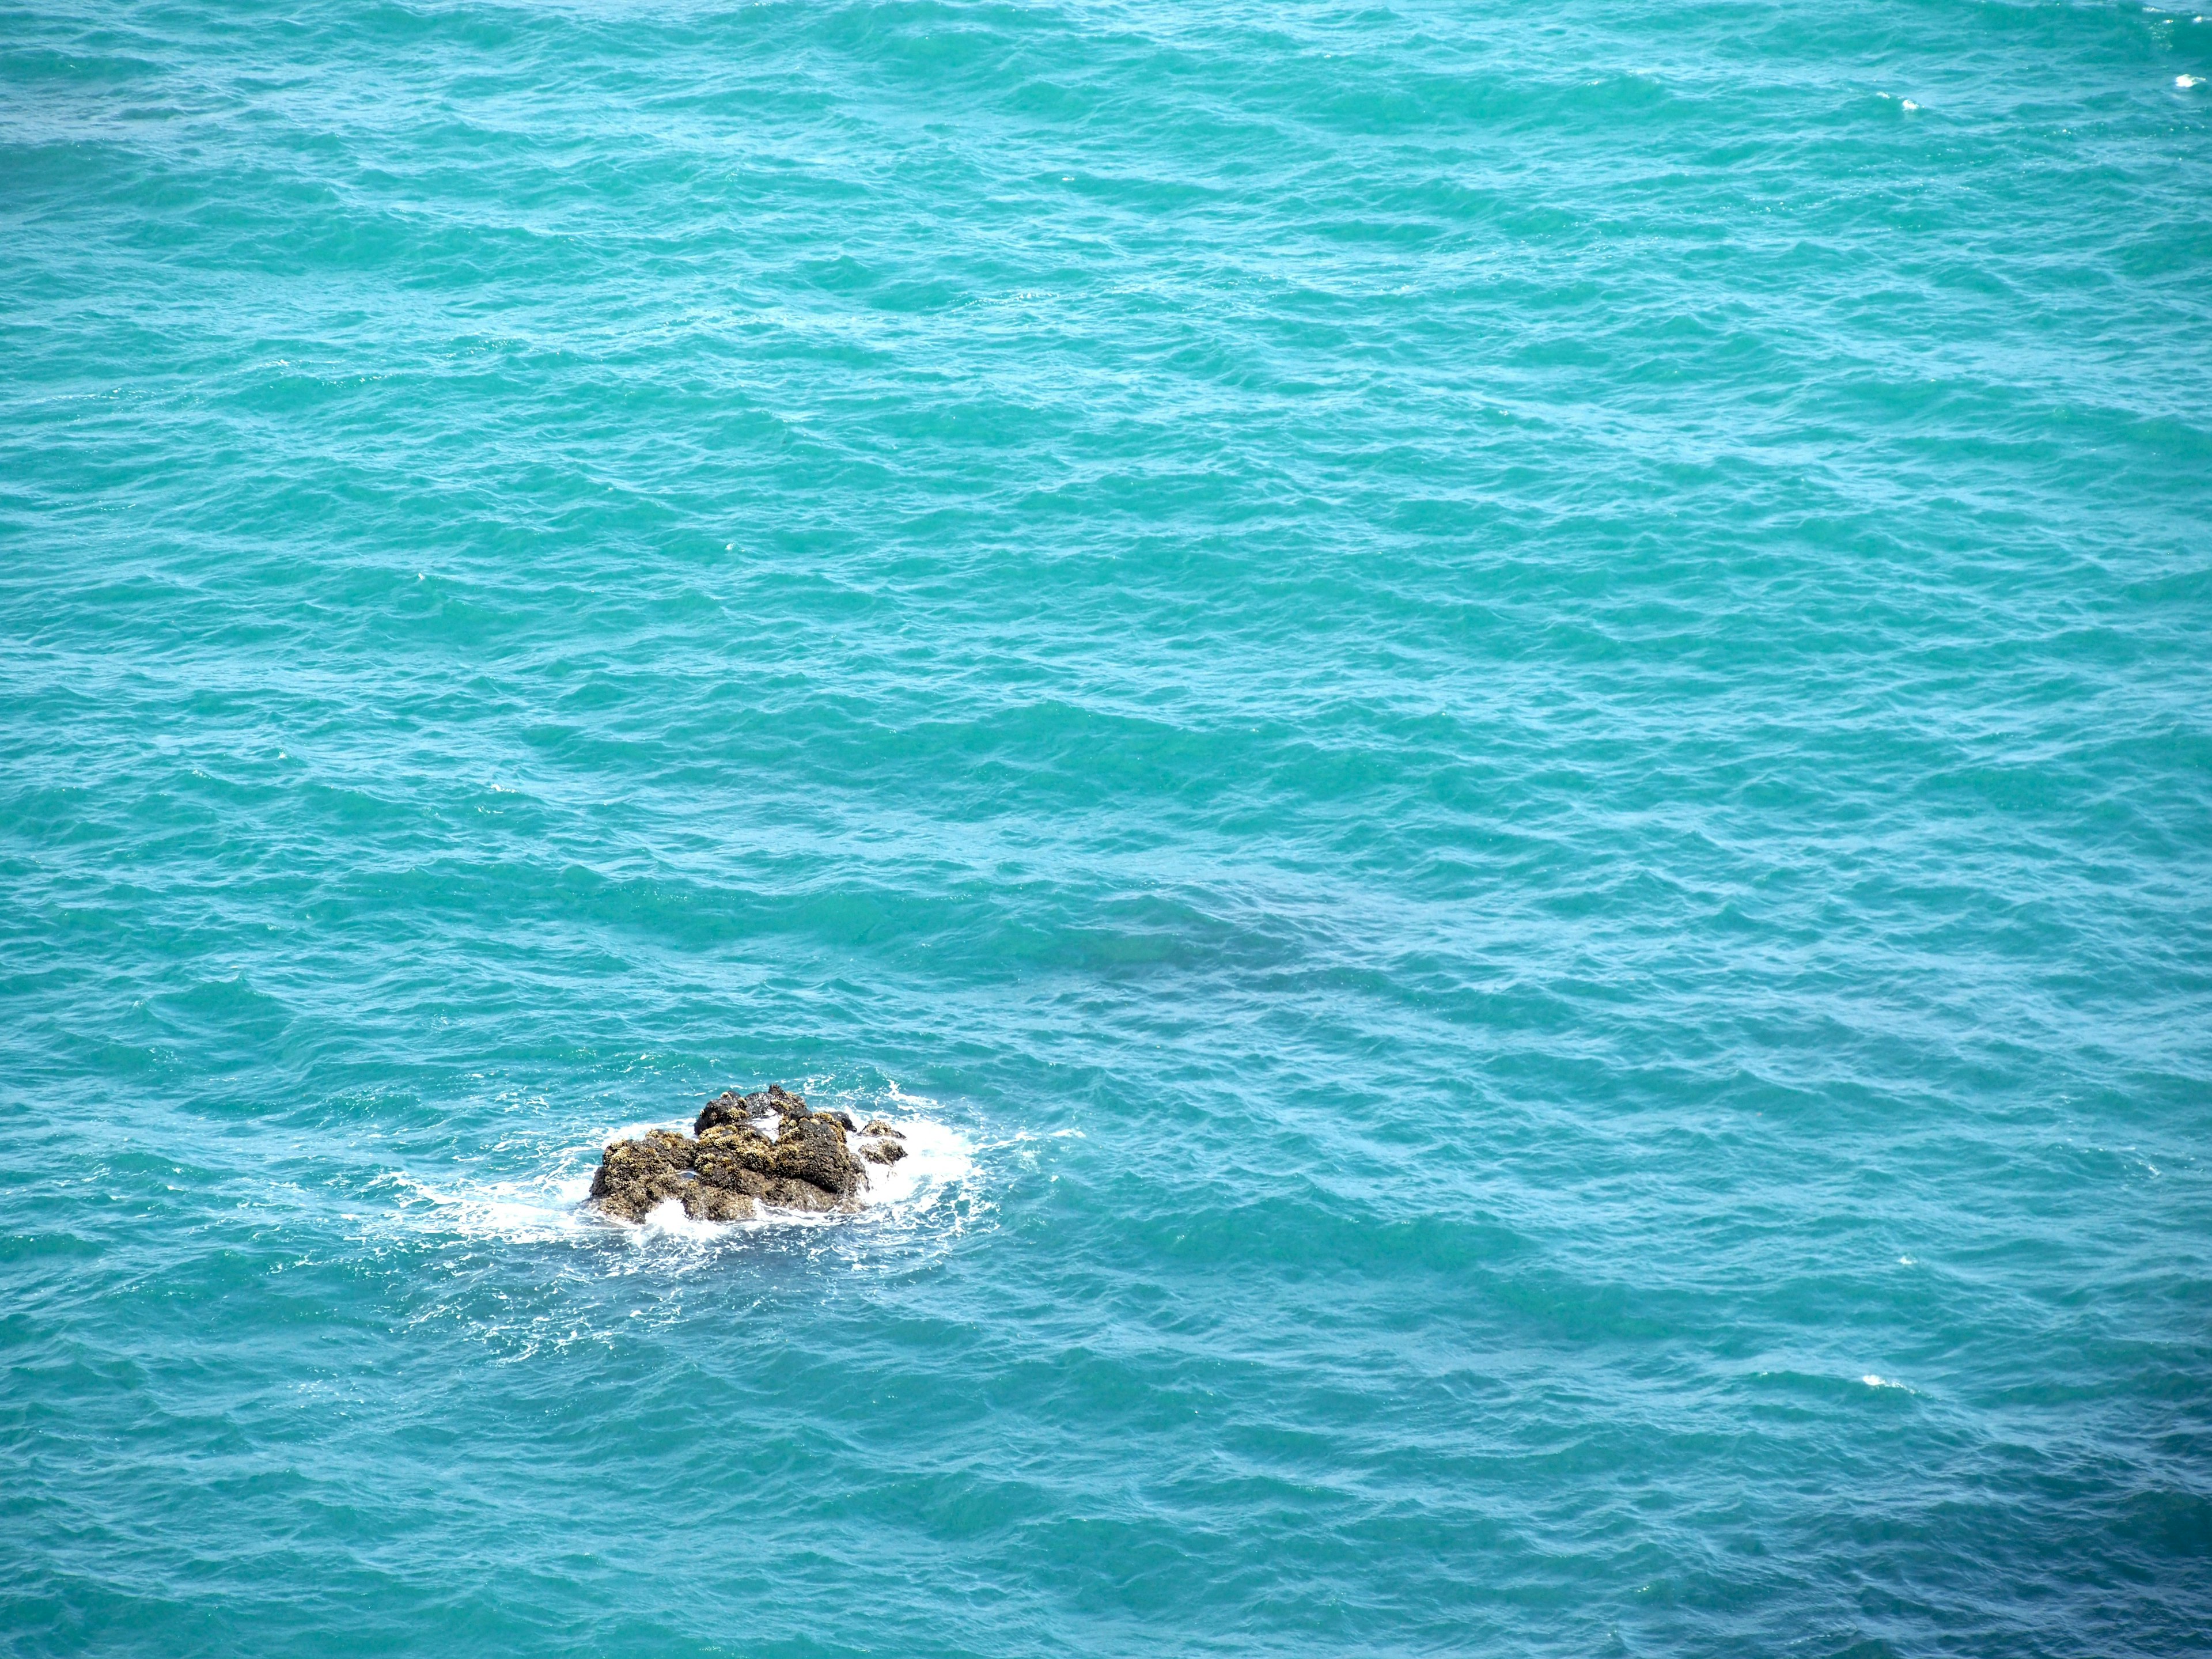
(1496, 720)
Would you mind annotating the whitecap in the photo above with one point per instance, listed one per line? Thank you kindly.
(939, 1161)
(667, 1221)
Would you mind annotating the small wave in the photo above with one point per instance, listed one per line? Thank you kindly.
(939, 1161)
(527, 1212)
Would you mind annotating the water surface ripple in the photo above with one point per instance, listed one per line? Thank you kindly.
(1500, 712)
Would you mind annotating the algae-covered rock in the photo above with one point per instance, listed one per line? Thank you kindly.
(703, 1202)
(731, 1108)
(734, 1166)
(634, 1176)
(813, 1149)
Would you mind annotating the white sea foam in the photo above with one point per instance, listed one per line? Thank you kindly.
(667, 1219)
(2185, 81)
(939, 1160)
(533, 1210)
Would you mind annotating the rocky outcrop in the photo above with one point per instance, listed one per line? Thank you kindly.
(731, 1164)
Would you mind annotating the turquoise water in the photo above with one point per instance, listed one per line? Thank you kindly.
(1497, 722)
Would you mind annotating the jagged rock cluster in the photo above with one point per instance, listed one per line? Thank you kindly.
(734, 1165)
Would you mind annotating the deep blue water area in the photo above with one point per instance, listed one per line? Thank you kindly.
(1495, 721)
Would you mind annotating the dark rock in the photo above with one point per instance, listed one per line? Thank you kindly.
(877, 1126)
(634, 1176)
(731, 1107)
(813, 1149)
(739, 1162)
(732, 1167)
(800, 1196)
(704, 1203)
(884, 1151)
